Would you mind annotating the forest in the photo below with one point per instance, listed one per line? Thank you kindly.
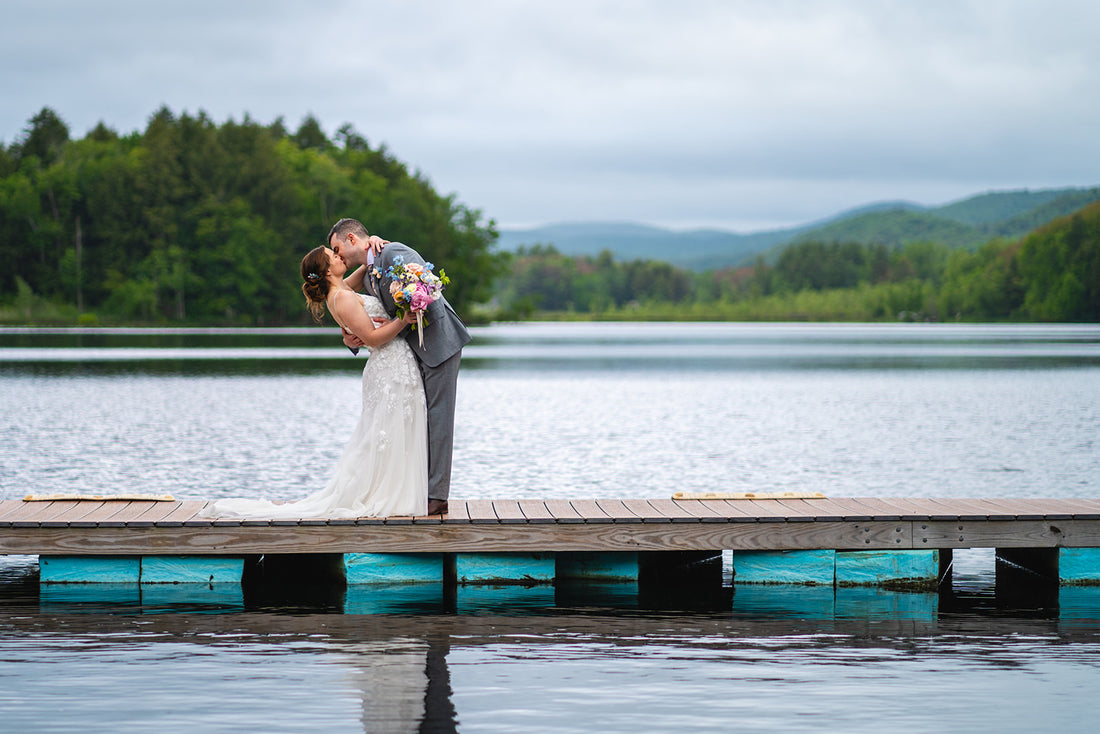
(1051, 274)
(190, 222)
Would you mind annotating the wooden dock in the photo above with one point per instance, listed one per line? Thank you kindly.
(172, 528)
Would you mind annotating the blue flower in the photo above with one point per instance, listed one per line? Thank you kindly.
(399, 260)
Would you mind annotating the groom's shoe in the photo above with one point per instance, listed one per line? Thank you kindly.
(437, 507)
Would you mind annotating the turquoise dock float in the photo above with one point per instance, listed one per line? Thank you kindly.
(139, 569)
(393, 568)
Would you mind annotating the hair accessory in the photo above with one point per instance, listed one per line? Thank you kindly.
(313, 276)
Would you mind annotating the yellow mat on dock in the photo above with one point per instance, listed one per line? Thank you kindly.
(748, 496)
(99, 497)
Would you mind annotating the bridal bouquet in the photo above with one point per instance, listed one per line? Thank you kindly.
(414, 287)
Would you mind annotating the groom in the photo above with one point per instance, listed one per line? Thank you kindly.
(438, 358)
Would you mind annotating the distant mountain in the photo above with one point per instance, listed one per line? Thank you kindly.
(695, 249)
(965, 223)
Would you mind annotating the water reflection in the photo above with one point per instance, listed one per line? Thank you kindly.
(575, 657)
(568, 346)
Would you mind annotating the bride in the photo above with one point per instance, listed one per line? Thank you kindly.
(383, 470)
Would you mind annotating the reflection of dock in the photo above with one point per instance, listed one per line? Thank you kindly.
(1040, 535)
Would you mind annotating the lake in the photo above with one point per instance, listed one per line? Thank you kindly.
(560, 410)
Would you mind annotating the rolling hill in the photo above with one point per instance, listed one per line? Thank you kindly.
(965, 223)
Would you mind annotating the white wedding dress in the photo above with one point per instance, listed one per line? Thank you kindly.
(383, 471)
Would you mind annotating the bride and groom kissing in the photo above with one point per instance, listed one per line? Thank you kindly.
(398, 459)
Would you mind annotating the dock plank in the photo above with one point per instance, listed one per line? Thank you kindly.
(159, 510)
(509, 512)
(563, 512)
(481, 511)
(9, 508)
(590, 511)
(186, 511)
(888, 510)
(967, 511)
(55, 515)
(1080, 509)
(846, 509)
(1089, 507)
(645, 511)
(993, 510)
(672, 510)
(708, 510)
(1021, 509)
(535, 511)
(815, 510)
(29, 512)
(137, 512)
(457, 512)
(772, 511)
(95, 513)
(617, 511)
(1065, 509)
(90, 527)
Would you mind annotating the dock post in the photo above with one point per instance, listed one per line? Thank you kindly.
(393, 568)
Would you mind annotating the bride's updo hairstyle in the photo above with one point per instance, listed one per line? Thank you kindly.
(316, 285)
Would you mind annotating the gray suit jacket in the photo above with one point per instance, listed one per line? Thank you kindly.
(444, 335)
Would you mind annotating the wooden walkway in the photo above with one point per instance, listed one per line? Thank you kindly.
(68, 527)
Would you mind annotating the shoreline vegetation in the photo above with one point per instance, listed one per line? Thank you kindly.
(190, 223)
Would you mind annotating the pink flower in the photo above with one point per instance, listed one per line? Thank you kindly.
(421, 298)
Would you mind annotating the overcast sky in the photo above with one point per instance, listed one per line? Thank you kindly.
(742, 115)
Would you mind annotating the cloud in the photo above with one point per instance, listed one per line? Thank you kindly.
(727, 113)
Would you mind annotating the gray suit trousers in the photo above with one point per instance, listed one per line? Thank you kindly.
(438, 358)
(439, 388)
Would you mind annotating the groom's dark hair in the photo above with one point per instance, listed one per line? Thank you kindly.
(345, 227)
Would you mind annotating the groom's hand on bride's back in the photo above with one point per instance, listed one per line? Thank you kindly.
(351, 341)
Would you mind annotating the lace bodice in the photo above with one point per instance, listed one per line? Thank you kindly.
(392, 365)
(373, 307)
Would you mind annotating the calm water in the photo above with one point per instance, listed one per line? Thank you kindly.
(559, 410)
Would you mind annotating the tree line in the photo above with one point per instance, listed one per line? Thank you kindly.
(193, 222)
(1052, 274)
(190, 221)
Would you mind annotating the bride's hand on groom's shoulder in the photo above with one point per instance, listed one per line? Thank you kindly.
(376, 243)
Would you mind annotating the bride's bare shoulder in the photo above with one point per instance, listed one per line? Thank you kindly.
(343, 301)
